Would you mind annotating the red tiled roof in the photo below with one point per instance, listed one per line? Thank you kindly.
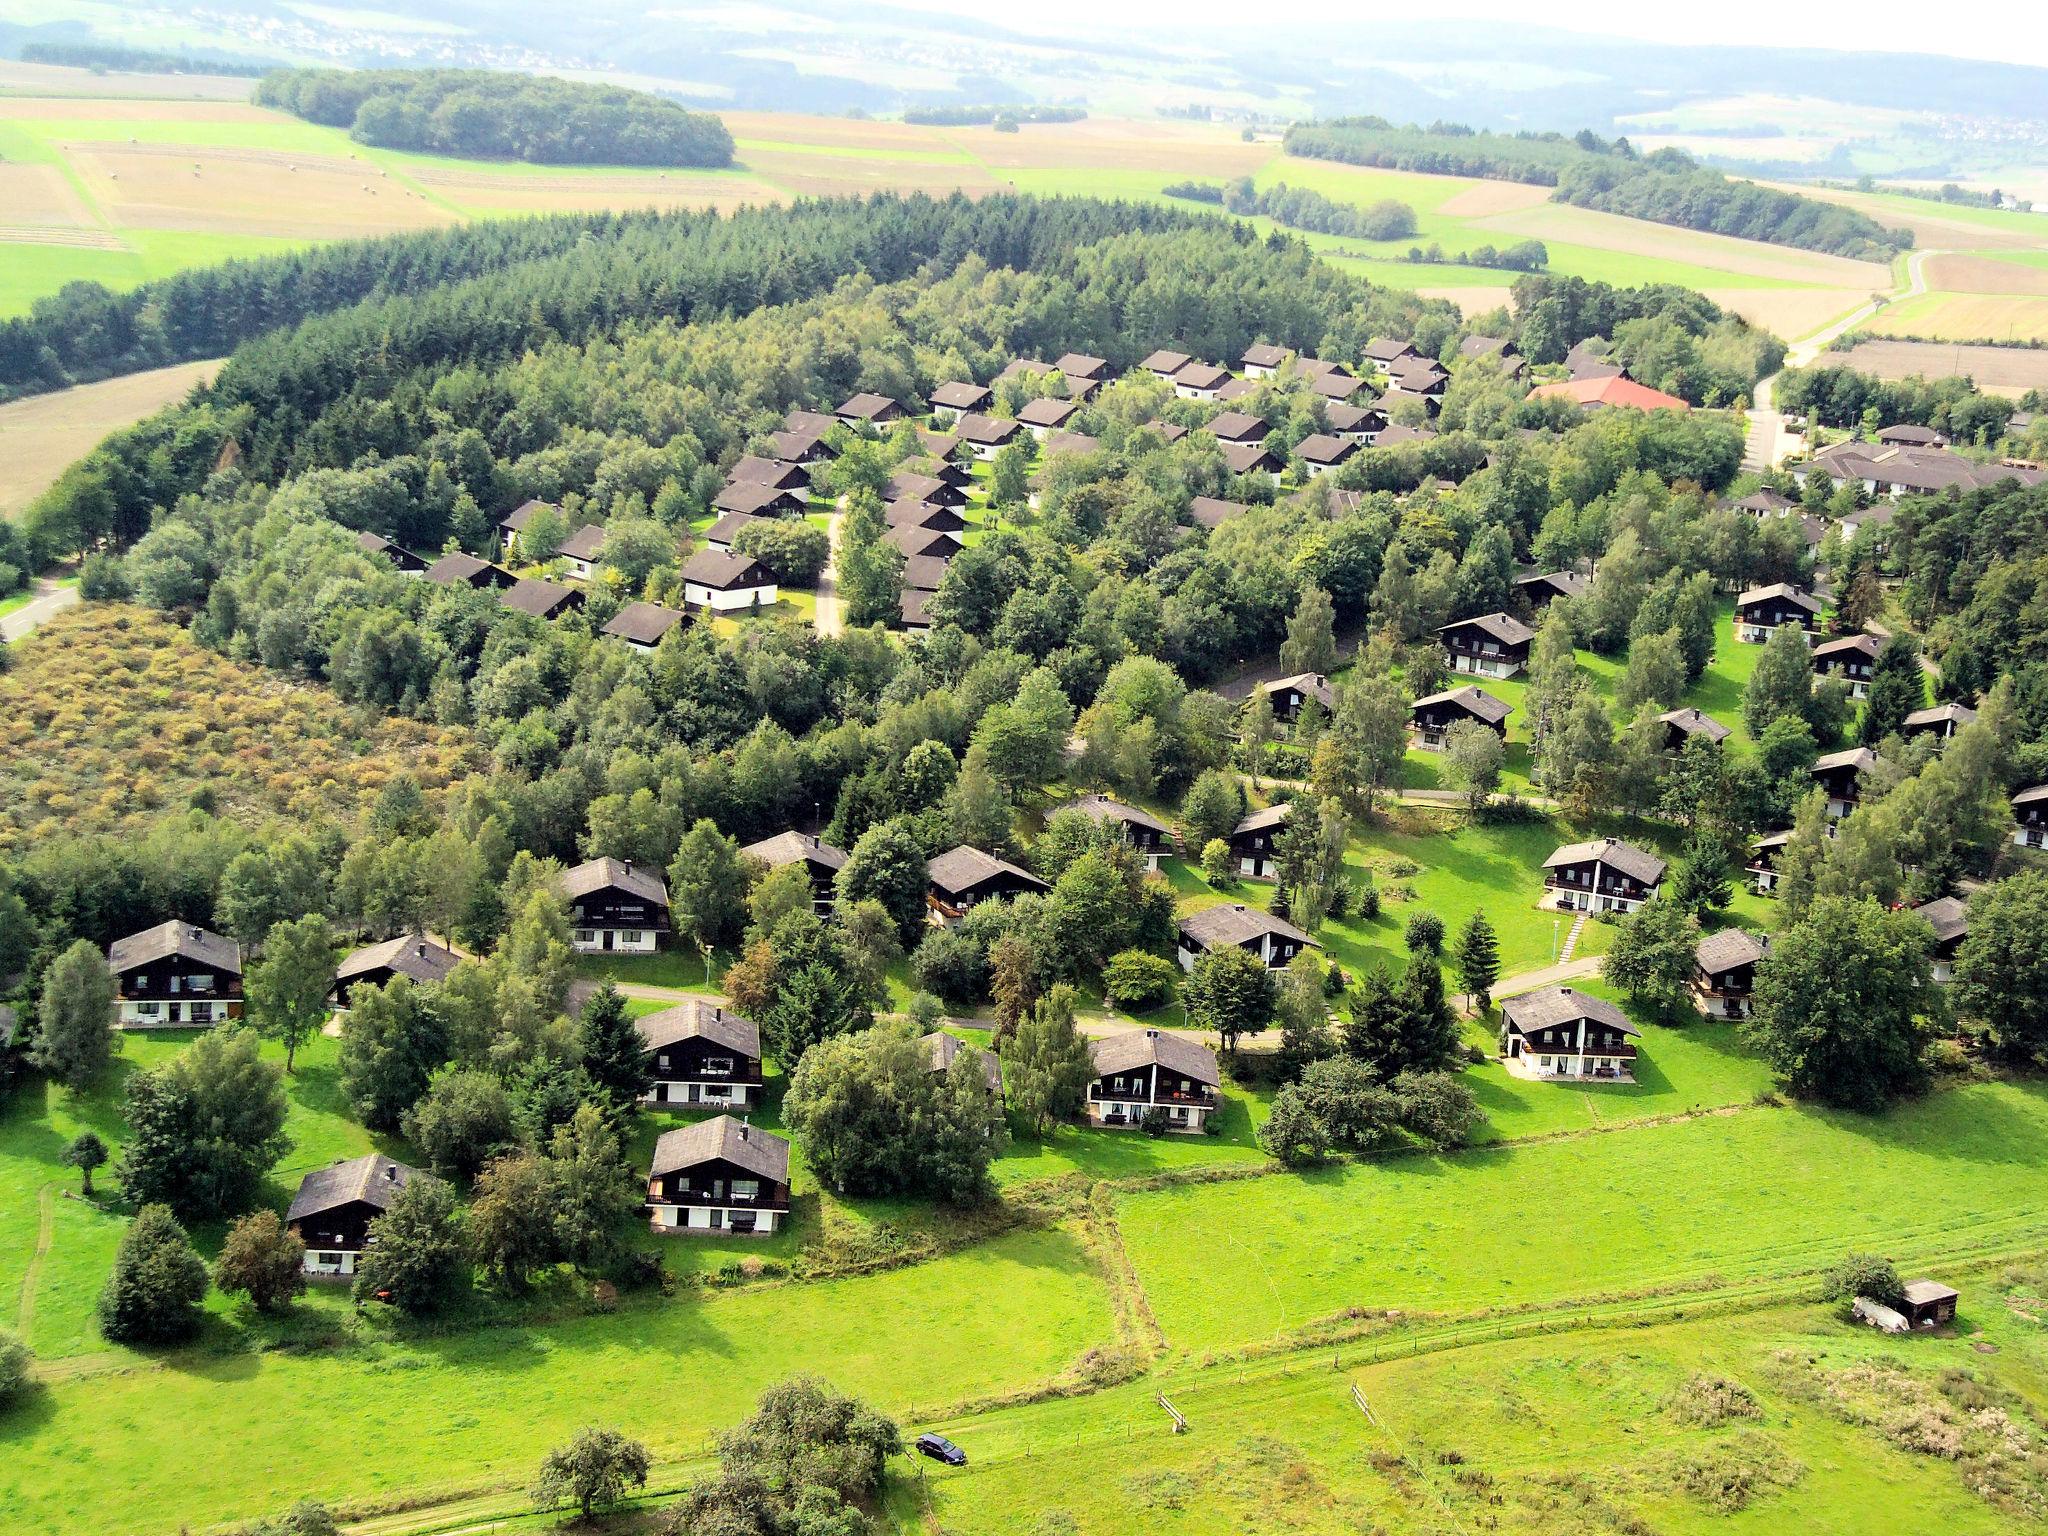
(1611, 392)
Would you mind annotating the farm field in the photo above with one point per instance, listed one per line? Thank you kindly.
(1973, 316)
(43, 435)
(2002, 370)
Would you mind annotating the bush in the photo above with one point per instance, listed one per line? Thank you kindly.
(949, 964)
(1154, 1123)
(1437, 1107)
(158, 1282)
(1706, 1401)
(102, 579)
(262, 1259)
(1138, 982)
(1425, 933)
(14, 1363)
(1864, 1274)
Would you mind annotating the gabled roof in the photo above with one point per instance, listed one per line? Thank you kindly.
(1262, 354)
(754, 498)
(1610, 393)
(1726, 948)
(540, 599)
(1151, 1047)
(1565, 583)
(188, 941)
(723, 571)
(1400, 432)
(990, 431)
(1166, 361)
(1911, 432)
(1213, 511)
(1071, 442)
(1022, 365)
(958, 869)
(1323, 448)
(1102, 808)
(1695, 722)
(1342, 416)
(1476, 702)
(1948, 916)
(1171, 431)
(1243, 458)
(914, 605)
(1258, 821)
(924, 572)
(1958, 715)
(410, 954)
(1335, 385)
(813, 423)
(1079, 365)
(909, 485)
(1862, 759)
(1778, 589)
(723, 1139)
(1483, 346)
(1046, 412)
(959, 397)
(516, 520)
(1236, 923)
(791, 445)
(922, 514)
(373, 1180)
(1312, 684)
(944, 1049)
(2032, 795)
(1384, 349)
(1637, 863)
(1563, 1005)
(1858, 644)
(795, 847)
(913, 540)
(1236, 427)
(583, 544)
(1201, 375)
(698, 1019)
(1237, 389)
(643, 623)
(752, 469)
(1504, 627)
(614, 874)
(865, 406)
(458, 567)
(729, 527)
(1765, 500)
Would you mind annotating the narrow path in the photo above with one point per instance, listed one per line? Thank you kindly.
(1566, 969)
(1571, 940)
(50, 600)
(831, 618)
(46, 1234)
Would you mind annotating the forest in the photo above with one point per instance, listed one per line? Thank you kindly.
(141, 61)
(1840, 396)
(975, 116)
(489, 115)
(1303, 208)
(1666, 186)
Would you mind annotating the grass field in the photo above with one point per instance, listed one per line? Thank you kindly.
(42, 435)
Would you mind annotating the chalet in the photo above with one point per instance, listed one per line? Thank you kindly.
(1396, 433)
(174, 976)
(1941, 722)
(1251, 459)
(942, 1050)
(719, 1175)
(1689, 724)
(1949, 917)
(1427, 406)
(914, 610)
(1431, 718)
(908, 485)
(922, 514)
(1386, 351)
(819, 858)
(1323, 452)
(725, 533)
(1588, 359)
(869, 410)
(1079, 365)
(784, 475)
(1272, 939)
(1164, 364)
(1545, 588)
(724, 581)
(914, 541)
(1212, 512)
(1766, 504)
(756, 500)
(1071, 442)
(1841, 775)
(581, 549)
(2030, 817)
(1200, 381)
(1169, 431)
(1251, 841)
(411, 955)
(924, 572)
(1261, 360)
(1143, 1070)
(1489, 645)
(1044, 415)
(407, 563)
(1907, 434)
(1616, 392)
(700, 1053)
(1851, 657)
(986, 435)
(641, 625)
(1236, 427)
(614, 905)
(1335, 386)
(799, 447)
(1424, 375)
(944, 468)
(458, 569)
(1562, 1032)
(949, 402)
(1488, 346)
(1764, 853)
(1605, 875)
(332, 1212)
(817, 423)
(961, 877)
(540, 599)
(1289, 694)
(513, 523)
(1724, 972)
(1903, 469)
(1357, 422)
(1143, 831)
(1236, 389)
(1759, 610)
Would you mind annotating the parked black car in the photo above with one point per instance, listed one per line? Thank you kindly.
(939, 1448)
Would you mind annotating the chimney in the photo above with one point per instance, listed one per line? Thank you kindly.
(421, 949)
(1151, 1034)
(629, 865)
(744, 1128)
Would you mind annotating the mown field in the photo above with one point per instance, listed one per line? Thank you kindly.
(42, 436)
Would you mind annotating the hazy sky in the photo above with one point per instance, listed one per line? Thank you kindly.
(2010, 31)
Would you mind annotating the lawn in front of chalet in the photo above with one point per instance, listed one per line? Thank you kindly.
(1720, 1198)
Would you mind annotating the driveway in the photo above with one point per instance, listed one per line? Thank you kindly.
(50, 600)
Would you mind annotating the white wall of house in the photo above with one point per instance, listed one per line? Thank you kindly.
(738, 598)
(698, 1218)
(329, 1261)
(1485, 666)
(1185, 1118)
(624, 941)
(720, 1095)
(157, 1015)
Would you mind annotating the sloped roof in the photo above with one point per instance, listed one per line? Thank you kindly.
(1243, 458)
(1857, 644)
(944, 1049)
(1563, 1005)
(1780, 589)
(516, 520)
(731, 526)
(923, 572)
(752, 469)
(1236, 923)
(1324, 448)
(1695, 722)
(1726, 948)
(753, 497)
(1314, 684)
(609, 873)
(914, 540)
(583, 544)
(958, 396)
(1103, 808)
(1165, 361)
(372, 1179)
(1261, 354)
(410, 954)
(1384, 349)
(1862, 759)
(1150, 1047)
(1567, 583)
(697, 1019)
(959, 868)
(1637, 863)
(1615, 391)
(1046, 412)
(458, 566)
(990, 431)
(1201, 375)
(914, 605)
(1213, 511)
(1941, 714)
(795, 847)
(1236, 427)
(1948, 916)
(724, 570)
(1476, 702)
(761, 1153)
(540, 599)
(186, 940)
(1504, 627)
(1258, 821)
(644, 623)
(865, 406)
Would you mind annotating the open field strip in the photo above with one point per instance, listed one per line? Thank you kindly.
(43, 434)
(2001, 370)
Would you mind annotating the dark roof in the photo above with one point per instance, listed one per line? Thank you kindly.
(1214, 511)
(1201, 375)
(1911, 432)
(608, 874)
(1314, 685)
(752, 497)
(583, 544)
(1165, 361)
(922, 514)
(698, 1019)
(1856, 644)
(1636, 863)
(792, 445)
(959, 868)
(987, 430)
(1236, 923)
(644, 623)
(1335, 385)
(1022, 365)
(795, 847)
(914, 540)
(908, 485)
(1483, 346)
(1862, 759)
(1399, 432)
(1782, 589)
(1765, 500)
(2033, 795)
(1504, 627)
(410, 954)
(1262, 354)
(1258, 821)
(372, 1180)
(722, 570)
(1948, 916)
(541, 599)
(186, 940)
(1695, 723)
(1071, 442)
(516, 520)
(1237, 427)
(1237, 389)
(1726, 948)
(1149, 1047)
(1941, 714)
(724, 1139)
(914, 605)
(1562, 1005)
(1080, 365)
(1102, 808)
(959, 397)
(944, 1049)
(811, 423)
(1384, 349)
(729, 527)
(1567, 583)
(923, 572)
(1345, 417)
(866, 406)
(1243, 458)
(1172, 431)
(460, 567)
(755, 470)
(1323, 448)
(1476, 702)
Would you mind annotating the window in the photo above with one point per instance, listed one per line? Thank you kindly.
(199, 983)
(585, 936)
(746, 1189)
(718, 1066)
(146, 1010)
(718, 1218)
(1544, 1062)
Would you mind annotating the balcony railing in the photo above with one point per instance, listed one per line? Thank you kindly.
(764, 1202)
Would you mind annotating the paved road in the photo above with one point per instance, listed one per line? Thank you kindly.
(50, 600)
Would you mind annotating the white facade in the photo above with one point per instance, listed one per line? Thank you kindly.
(197, 1013)
(700, 1093)
(673, 1219)
(1485, 666)
(614, 941)
(1190, 392)
(337, 1263)
(697, 595)
(1122, 1113)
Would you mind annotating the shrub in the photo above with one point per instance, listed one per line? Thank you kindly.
(1425, 933)
(153, 1295)
(14, 1362)
(1705, 1401)
(1437, 1107)
(1154, 1123)
(102, 578)
(262, 1259)
(1137, 982)
(1864, 1274)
